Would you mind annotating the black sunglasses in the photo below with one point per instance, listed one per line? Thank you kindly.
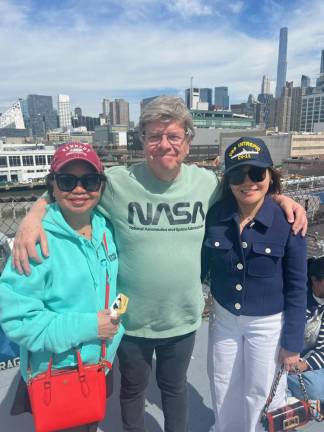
(255, 173)
(90, 182)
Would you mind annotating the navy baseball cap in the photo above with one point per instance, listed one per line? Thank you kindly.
(247, 151)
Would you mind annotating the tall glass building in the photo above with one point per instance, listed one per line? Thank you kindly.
(64, 111)
(312, 110)
(206, 95)
(320, 80)
(119, 112)
(305, 81)
(282, 61)
(221, 98)
(265, 86)
(42, 116)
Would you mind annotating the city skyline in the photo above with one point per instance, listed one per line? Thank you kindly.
(133, 50)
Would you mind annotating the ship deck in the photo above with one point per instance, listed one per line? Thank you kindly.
(200, 414)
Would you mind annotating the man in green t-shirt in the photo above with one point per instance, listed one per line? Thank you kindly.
(158, 210)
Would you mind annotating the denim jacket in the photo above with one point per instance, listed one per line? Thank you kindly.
(261, 271)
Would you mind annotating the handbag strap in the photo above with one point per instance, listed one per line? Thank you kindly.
(275, 386)
(103, 343)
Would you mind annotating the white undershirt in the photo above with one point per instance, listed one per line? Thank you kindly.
(318, 299)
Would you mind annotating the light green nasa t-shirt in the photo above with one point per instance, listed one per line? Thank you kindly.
(159, 228)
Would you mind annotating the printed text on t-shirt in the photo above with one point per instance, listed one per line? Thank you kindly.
(182, 213)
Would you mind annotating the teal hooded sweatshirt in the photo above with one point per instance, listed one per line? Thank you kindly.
(54, 309)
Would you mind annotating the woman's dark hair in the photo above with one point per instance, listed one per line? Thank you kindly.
(315, 266)
(49, 179)
(49, 186)
(274, 187)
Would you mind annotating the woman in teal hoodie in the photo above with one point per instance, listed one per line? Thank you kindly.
(61, 305)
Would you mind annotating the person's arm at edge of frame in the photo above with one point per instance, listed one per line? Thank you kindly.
(295, 288)
(315, 359)
(30, 232)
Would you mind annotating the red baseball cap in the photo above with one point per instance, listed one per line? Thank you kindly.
(75, 150)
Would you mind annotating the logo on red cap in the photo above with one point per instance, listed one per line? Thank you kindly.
(75, 151)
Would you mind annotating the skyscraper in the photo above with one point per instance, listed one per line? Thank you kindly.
(263, 108)
(265, 101)
(312, 110)
(105, 107)
(64, 111)
(265, 86)
(78, 112)
(206, 95)
(192, 97)
(25, 113)
(119, 112)
(282, 61)
(42, 116)
(13, 117)
(221, 98)
(289, 108)
(320, 80)
(305, 81)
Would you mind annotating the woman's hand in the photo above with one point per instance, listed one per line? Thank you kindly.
(107, 326)
(289, 359)
(302, 366)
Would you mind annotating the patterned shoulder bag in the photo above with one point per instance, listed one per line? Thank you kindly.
(289, 416)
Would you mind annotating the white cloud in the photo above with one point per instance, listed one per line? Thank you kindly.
(190, 8)
(12, 15)
(236, 7)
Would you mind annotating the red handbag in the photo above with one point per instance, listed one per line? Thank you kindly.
(65, 398)
(70, 397)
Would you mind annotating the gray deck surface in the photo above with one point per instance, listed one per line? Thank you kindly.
(201, 415)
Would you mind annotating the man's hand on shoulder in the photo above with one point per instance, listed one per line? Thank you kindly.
(30, 232)
(295, 213)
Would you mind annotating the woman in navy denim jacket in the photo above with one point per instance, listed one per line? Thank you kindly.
(258, 282)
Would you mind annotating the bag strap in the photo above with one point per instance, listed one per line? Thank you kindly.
(103, 343)
(275, 384)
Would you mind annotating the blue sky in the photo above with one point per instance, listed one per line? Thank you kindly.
(91, 49)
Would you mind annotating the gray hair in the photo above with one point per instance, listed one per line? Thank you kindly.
(166, 109)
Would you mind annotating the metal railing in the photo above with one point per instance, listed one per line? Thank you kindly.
(13, 209)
